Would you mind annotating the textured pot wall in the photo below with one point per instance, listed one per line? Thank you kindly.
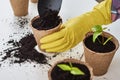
(38, 34)
(20, 7)
(100, 61)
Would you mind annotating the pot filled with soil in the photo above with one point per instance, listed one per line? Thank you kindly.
(70, 69)
(42, 26)
(20, 7)
(34, 1)
(99, 55)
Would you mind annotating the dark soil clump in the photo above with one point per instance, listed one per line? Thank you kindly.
(58, 74)
(97, 46)
(48, 21)
(23, 50)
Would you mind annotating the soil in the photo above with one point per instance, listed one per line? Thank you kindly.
(48, 21)
(98, 47)
(23, 50)
(58, 74)
(20, 21)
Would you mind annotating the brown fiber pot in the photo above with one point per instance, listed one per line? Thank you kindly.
(20, 7)
(34, 1)
(100, 61)
(38, 34)
(72, 61)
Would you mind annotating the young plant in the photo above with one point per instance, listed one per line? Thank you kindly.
(73, 70)
(98, 30)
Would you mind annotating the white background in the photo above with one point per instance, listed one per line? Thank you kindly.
(26, 71)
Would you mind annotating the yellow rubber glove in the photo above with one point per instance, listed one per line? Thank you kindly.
(73, 31)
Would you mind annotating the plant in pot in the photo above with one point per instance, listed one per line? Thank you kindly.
(70, 69)
(99, 49)
(20, 7)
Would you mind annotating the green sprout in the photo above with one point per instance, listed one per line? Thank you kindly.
(73, 70)
(98, 30)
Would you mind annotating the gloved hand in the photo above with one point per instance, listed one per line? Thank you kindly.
(73, 31)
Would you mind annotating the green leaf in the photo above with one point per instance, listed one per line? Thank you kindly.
(73, 70)
(76, 71)
(97, 28)
(95, 35)
(98, 31)
(107, 40)
(64, 67)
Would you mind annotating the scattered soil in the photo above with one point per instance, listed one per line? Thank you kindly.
(58, 74)
(98, 47)
(48, 21)
(20, 21)
(23, 51)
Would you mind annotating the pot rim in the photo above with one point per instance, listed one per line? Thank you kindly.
(36, 17)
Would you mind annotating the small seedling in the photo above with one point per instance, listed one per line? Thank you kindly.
(73, 70)
(98, 30)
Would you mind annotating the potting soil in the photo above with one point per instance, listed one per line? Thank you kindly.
(48, 21)
(23, 50)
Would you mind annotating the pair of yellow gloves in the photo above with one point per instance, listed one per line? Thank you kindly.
(73, 31)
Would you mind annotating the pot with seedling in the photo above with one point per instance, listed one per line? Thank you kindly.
(99, 49)
(70, 69)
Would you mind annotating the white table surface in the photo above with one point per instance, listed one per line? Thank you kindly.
(26, 71)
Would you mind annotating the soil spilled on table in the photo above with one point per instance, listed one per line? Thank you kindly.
(23, 50)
